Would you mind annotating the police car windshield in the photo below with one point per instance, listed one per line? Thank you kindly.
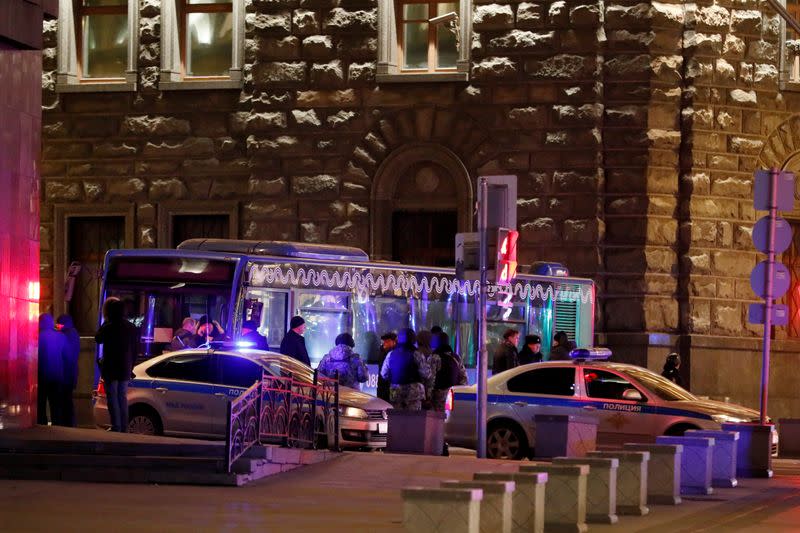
(658, 385)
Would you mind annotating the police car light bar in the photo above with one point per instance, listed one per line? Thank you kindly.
(245, 344)
(594, 353)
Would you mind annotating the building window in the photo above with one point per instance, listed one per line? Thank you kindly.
(202, 44)
(186, 227)
(88, 240)
(791, 48)
(97, 45)
(417, 41)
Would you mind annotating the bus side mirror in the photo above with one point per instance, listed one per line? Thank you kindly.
(632, 394)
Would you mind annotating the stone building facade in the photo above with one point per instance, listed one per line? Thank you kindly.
(634, 129)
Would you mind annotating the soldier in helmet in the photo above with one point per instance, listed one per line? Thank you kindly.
(344, 360)
(406, 369)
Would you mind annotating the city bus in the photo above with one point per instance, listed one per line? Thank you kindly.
(335, 289)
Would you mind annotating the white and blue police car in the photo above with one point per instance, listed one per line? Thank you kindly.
(631, 404)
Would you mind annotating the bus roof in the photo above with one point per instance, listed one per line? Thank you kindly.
(300, 250)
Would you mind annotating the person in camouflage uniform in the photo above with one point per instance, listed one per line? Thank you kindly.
(450, 371)
(342, 359)
(424, 340)
(406, 369)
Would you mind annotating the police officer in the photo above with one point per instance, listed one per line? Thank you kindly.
(345, 361)
(406, 369)
(532, 351)
(450, 372)
(388, 343)
(506, 356)
(293, 343)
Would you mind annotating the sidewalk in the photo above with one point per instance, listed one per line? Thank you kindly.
(355, 492)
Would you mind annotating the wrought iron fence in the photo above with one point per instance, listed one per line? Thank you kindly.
(243, 424)
(282, 410)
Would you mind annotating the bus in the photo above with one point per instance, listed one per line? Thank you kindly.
(335, 289)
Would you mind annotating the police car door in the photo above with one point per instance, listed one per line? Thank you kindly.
(236, 375)
(183, 392)
(622, 417)
(548, 390)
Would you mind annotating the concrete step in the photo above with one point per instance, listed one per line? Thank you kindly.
(95, 448)
(207, 464)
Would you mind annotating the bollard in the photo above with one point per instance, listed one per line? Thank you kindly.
(723, 460)
(631, 481)
(601, 487)
(441, 510)
(496, 503)
(565, 496)
(695, 463)
(527, 504)
(663, 472)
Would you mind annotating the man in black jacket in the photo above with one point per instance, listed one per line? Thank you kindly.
(506, 356)
(293, 343)
(532, 351)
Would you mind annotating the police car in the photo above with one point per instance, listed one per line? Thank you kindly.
(631, 403)
(185, 393)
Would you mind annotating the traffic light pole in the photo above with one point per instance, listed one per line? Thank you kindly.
(767, 346)
(483, 363)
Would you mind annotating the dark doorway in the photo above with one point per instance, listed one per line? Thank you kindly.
(186, 227)
(424, 237)
(88, 240)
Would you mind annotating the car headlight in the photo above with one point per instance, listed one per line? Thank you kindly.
(352, 412)
(728, 419)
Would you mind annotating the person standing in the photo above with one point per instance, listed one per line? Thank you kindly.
(52, 346)
(506, 356)
(388, 343)
(406, 369)
(185, 336)
(532, 351)
(250, 334)
(293, 343)
(72, 350)
(562, 346)
(671, 366)
(451, 372)
(424, 345)
(342, 359)
(119, 340)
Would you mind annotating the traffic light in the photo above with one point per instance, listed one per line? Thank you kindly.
(506, 265)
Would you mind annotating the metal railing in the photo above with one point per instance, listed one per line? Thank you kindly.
(285, 411)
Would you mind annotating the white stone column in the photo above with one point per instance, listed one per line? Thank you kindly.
(496, 504)
(631, 481)
(663, 472)
(527, 505)
(695, 463)
(601, 487)
(723, 461)
(565, 496)
(441, 510)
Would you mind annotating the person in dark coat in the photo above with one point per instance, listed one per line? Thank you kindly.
(406, 369)
(532, 351)
(185, 336)
(343, 360)
(250, 334)
(388, 343)
(562, 346)
(671, 366)
(52, 346)
(506, 356)
(71, 354)
(119, 339)
(209, 330)
(293, 343)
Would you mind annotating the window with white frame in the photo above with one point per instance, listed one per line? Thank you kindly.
(97, 45)
(202, 44)
(423, 40)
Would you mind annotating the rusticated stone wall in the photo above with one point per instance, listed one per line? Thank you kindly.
(633, 127)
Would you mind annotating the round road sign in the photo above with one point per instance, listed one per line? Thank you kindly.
(783, 235)
(780, 277)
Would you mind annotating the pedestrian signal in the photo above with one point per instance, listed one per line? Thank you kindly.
(506, 266)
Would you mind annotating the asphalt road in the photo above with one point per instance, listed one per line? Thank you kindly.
(355, 492)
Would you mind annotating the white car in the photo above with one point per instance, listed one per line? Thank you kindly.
(185, 393)
(631, 404)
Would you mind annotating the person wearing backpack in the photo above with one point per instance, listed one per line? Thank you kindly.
(451, 372)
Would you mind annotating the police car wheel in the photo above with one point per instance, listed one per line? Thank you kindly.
(144, 423)
(505, 442)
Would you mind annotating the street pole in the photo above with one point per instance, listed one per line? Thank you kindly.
(483, 363)
(773, 211)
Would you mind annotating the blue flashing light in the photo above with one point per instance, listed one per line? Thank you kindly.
(594, 353)
(245, 344)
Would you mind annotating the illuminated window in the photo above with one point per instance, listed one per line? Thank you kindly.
(791, 258)
(202, 44)
(424, 41)
(97, 45)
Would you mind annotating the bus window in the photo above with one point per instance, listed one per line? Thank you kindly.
(271, 316)
(540, 322)
(426, 313)
(326, 315)
(159, 313)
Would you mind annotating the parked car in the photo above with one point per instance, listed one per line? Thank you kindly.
(631, 403)
(185, 393)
